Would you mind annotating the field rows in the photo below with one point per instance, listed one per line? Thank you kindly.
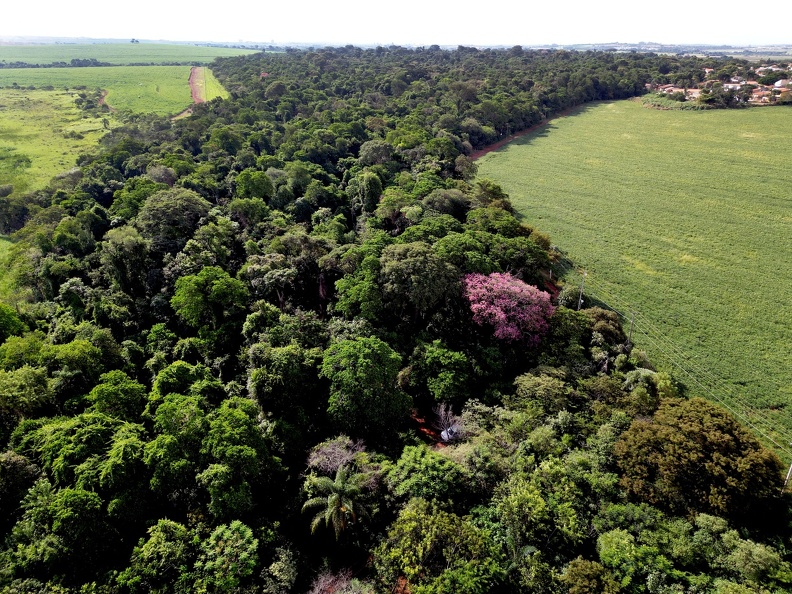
(683, 216)
(117, 53)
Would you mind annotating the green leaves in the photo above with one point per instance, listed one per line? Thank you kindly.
(364, 397)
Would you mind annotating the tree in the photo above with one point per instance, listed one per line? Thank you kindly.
(421, 472)
(515, 310)
(169, 218)
(338, 501)
(209, 297)
(694, 457)
(436, 552)
(10, 324)
(162, 563)
(227, 559)
(254, 184)
(364, 397)
(414, 279)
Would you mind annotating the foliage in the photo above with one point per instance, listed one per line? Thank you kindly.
(694, 457)
(364, 397)
(337, 500)
(516, 311)
(436, 551)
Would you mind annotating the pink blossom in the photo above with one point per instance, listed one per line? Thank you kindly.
(517, 311)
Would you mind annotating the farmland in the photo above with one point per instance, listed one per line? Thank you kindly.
(41, 134)
(139, 89)
(684, 218)
(121, 54)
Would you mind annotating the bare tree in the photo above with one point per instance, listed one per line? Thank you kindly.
(330, 455)
(447, 423)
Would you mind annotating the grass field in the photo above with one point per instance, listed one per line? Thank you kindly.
(120, 54)
(44, 129)
(208, 86)
(139, 89)
(686, 219)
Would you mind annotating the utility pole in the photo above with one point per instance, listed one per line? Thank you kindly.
(786, 481)
(632, 322)
(580, 297)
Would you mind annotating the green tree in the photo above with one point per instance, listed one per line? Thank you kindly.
(227, 559)
(437, 552)
(339, 502)
(693, 456)
(169, 218)
(364, 397)
(209, 297)
(161, 564)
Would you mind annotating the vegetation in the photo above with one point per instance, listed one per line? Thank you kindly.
(681, 217)
(233, 335)
(116, 54)
(41, 135)
(138, 89)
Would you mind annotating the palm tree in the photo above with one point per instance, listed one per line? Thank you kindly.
(339, 503)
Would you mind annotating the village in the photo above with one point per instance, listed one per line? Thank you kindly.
(746, 89)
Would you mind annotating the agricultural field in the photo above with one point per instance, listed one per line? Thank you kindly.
(41, 134)
(121, 54)
(683, 223)
(139, 89)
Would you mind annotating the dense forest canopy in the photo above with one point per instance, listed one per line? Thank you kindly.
(293, 344)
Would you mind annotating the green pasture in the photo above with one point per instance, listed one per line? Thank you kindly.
(41, 134)
(686, 219)
(121, 54)
(138, 89)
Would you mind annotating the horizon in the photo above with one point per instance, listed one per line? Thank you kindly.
(416, 24)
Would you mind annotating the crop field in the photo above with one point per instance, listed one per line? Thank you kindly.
(41, 134)
(121, 54)
(140, 89)
(683, 223)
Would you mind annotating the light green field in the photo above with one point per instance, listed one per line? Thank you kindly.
(138, 89)
(686, 218)
(117, 53)
(45, 127)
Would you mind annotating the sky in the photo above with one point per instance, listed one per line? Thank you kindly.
(406, 22)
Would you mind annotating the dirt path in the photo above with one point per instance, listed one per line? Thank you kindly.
(103, 100)
(501, 143)
(195, 89)
(195, 92)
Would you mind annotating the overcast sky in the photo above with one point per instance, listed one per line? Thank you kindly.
(406, 22)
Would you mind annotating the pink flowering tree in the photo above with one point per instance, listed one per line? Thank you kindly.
(515, 310)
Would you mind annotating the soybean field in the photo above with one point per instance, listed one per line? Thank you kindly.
(682, 222)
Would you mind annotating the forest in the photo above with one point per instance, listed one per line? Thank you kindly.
(293, 343)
